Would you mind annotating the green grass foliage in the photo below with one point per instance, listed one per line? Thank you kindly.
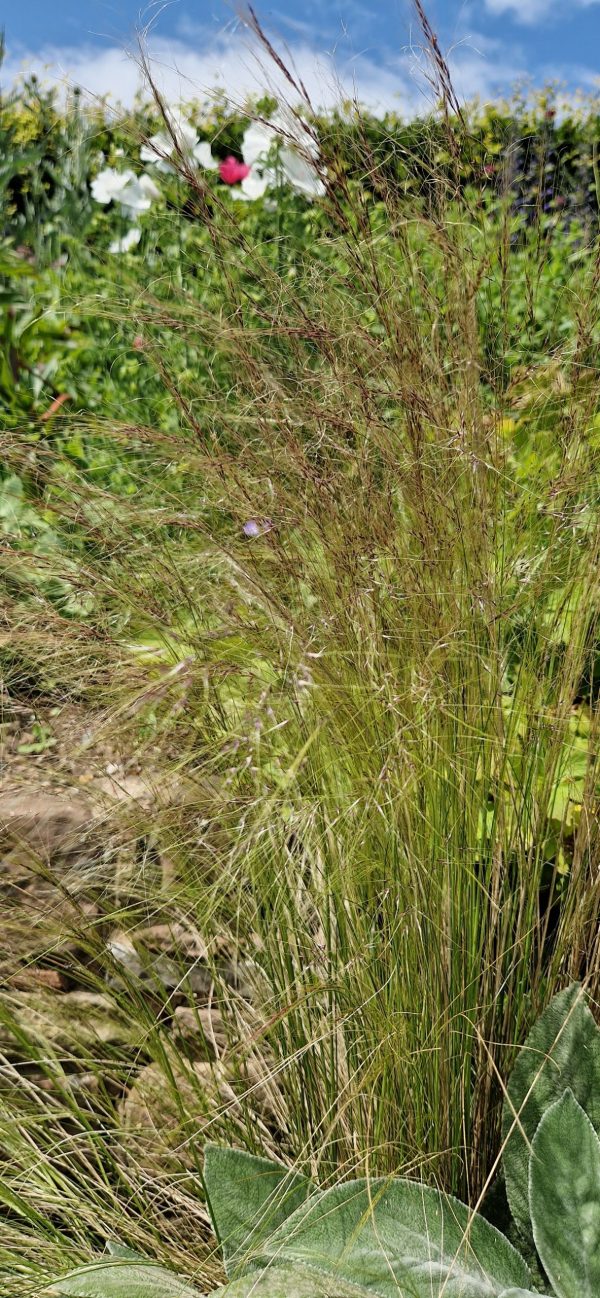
(315, 529)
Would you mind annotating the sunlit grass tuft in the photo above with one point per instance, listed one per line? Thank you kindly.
(379, 700)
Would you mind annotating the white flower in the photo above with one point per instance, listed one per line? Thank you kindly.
(298, 151)
(254, 185)
(138, 194)
(109, 184)
(161, 147)
(203, 156)
(301, 174)
(157, 150)
(258, 140)
(148, 185)
(153, 151)
(129, 240)
(185, 133)
(163, 143)
(133, 193)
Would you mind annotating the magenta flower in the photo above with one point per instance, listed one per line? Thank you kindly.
(231, 170)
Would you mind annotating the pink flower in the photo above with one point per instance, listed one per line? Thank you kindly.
(231, 170)
(138, 343)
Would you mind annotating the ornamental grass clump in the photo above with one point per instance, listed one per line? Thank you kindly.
(352, 604)
(398, 667)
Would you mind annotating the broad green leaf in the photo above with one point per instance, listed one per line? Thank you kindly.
(289, 1282)
(564, 1196)
(121, 1280)
(561, 1052)
(115, 1249)
(521, 1293)
(303, 1282)
(248, 1198)
(399, 1239)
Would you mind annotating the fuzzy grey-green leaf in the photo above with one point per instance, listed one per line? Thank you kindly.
(562, 1051)
(399, 1239)
(521, 1293)
(122, 1251)
(119, 1279)
(302, 1282)
(289, 1282)
(248, 1198)
(564, 1195)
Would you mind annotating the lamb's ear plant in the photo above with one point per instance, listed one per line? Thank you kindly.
(564, 1198)
(283, 1237)
(387, 1236)
(561, 1053)
(121, 1278)
(395, 1237)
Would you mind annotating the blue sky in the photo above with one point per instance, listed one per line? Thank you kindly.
(369, 45)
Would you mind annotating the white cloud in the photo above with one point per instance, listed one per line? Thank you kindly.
(530, 12)
(228, 64)
(199, 65)
(525, 11)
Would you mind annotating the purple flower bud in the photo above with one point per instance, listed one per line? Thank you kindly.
(257, 526)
